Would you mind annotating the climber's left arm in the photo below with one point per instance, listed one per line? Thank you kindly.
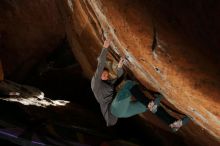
(120, 70)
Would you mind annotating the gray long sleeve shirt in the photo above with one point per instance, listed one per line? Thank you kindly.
(104, 91)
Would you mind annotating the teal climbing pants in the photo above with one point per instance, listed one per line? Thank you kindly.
(122, 106)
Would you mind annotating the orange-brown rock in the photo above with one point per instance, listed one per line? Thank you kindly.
(172, 47)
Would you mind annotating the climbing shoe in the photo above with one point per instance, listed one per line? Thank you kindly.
(175, 126)
(154, 104)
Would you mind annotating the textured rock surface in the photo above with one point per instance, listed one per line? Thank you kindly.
(171, 45)
(28, 32)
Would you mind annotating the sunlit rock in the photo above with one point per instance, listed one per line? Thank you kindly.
(27, 95)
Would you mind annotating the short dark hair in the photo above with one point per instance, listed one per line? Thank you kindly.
(106, 69)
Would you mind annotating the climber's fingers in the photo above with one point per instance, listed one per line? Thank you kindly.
(107, 43)
(121, 62)
(127, 63)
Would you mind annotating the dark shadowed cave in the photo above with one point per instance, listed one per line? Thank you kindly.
(51, 47)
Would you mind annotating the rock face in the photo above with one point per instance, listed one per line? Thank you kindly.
(28, 32)
(172, 47)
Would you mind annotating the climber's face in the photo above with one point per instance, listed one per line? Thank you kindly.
(105, 75)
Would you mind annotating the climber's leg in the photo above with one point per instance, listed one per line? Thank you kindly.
(127, 108)
(139, 95)
(163, 115)
(122, 106)
(173, 123)
(179, 123)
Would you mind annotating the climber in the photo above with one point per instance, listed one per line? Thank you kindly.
(129, 100)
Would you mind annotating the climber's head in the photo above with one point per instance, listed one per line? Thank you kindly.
(105, 74)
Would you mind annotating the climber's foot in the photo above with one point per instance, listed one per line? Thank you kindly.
(175, 126)
(152, 106)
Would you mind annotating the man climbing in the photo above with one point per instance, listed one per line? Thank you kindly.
(122, 104)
